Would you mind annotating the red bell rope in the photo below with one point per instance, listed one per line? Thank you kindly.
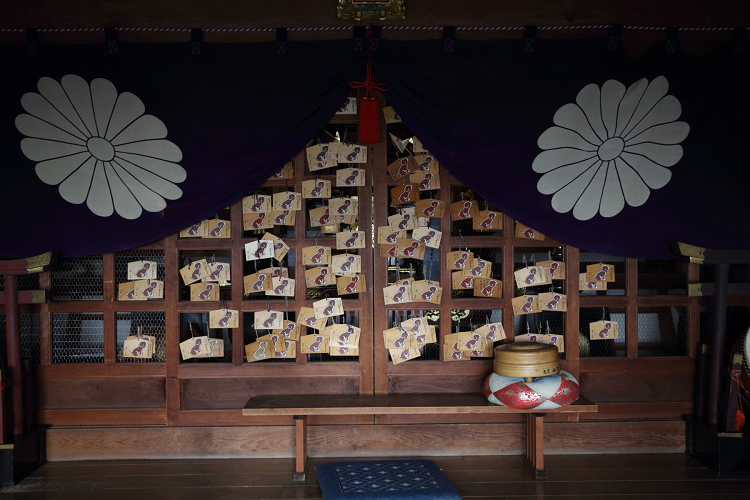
(369, 111)
(739, 420)
(368, 84)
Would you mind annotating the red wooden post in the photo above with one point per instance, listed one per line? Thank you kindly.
(13, 340)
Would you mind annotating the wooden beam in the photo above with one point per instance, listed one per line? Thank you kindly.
(29, 265)
(28, 297)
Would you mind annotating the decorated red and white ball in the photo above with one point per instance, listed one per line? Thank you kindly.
(543, 393)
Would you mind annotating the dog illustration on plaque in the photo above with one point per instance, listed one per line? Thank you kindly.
(553, 340)
(261, 352)
(131, 294)
(528, 306)
(258, 222)
(278, 246)
(206, 293)
(276, 272)
(429, 210)
(465, 212)
(425, 165)
(552, 269)
(456, 355)
(421, 339)
(315, 346)
(602, 274)
(391, 238)
(391, 251)
(318, 189)
(352, 240)
(604, 332)
(406, 194)
(216, 274)
(315, 259)
(532, 338)
(281, 287)
(427, 237)
(347, 265)
(592, 284)
(281, 218)
(472, 343)
(344, 336)
(193, 231)
(409, 251)
(427, 294)
(531, 278)
(529, 233)
(261, 249)
(287, 330)
(143, 271)
(224, 321)
(352, 179)
(138, 351)
(354, 155)
(467, 282)
(282, 354)
(405, 218)
(399, 295)
(405, 354)
(425, 182)
(343, 350)
(403, 167)
(216, 231)
(279, 174)
(344, 207)
(401, 340)
(344, 106)
(477, 270)
(287, 204)
(323, 219)
(196, 271)
(310, 320)
(352, 286)
(196, 349)
(149, 290)
(258, 285)
(259, 200)
(321, 278)
(416, 328)
(323, 154)
(268, 323)
(491, 333)
(461, 261)
(552, 304)
(487, 291)
(275, 339)
(329, 308)
(487, 222)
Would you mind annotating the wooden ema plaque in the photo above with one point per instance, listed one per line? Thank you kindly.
(525, 304)
(523, 231)
(319, 276)
(149, 289)
(397, 294)
(287, 200)
(425, 181)
(328, 308)
(553, 302)
(342, 350)
(267, 320)
(343, 206)
(479, 268)
(402, 167)
(585, 284)
(126, 291)
(488, 287)
(492, 332)
(251, 222)
(316, 188)
(202, 292)
(218, 228)
(403, 194)
(257, 282)
(195, 271)
(426, 163)
(322, 165)
(461, 281)
(290, 330)
(427, 236)
(142, 270)
(350, 177)
(352, 153)
(324, 152)
(316, 255)
(345, 335)
(320, 216)
(426, 291)
(312, 344)
(600, 330)
(555, 340)
(387, 236)
(197, 230)
(257, 203)
(531, 276)
(466, 209)
(351, 284)
(276, 341)
(134, 347)
(281, 287)
(458, 260)
(600, 272)
(398, 338)
(306, 316)
(224, 318)
(259, 350)
(390, 115)
(259, 249)
(407, 248)
(218, 271)
(401, 355)
(347, 264)
(471, 341)
(487, 221)
(402, 222)
(347, 240)
(387, 250)
(430, 208)
(555, 269)
(194, 347)
(281, 218)
(286, 172)
(280, 248)
(418, 146)
(289, 350)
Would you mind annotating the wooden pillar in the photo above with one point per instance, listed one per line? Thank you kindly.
(721, 279)
(13, 341)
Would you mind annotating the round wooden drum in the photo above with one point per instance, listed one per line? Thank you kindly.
(527, 360)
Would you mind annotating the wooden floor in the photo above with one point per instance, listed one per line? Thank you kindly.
(611, 477)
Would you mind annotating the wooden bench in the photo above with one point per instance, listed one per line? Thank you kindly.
(300, 407)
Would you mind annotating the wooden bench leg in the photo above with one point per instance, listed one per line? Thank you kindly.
(300, 424)
(538, 429)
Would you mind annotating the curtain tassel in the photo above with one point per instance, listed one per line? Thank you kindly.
(369, 111)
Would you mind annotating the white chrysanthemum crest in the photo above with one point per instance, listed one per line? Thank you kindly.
(610, 148)
(99, 147)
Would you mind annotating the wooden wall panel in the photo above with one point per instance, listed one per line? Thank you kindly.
(113, 416)
(226, 393)
(112, 392)
(360, 441)
(610, 387)
(436, 384)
